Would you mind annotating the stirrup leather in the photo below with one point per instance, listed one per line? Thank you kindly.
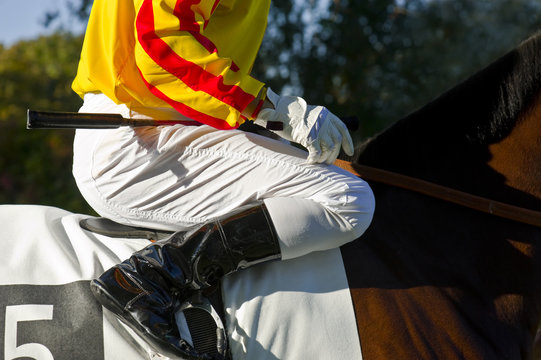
(110, 228)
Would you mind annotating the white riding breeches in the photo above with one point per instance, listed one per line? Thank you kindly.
(173, 177)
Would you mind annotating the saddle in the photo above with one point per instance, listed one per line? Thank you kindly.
(203, 313)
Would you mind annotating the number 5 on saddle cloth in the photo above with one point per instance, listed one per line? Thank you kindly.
(200, 318)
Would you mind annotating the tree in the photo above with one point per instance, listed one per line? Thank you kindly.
(36, 164)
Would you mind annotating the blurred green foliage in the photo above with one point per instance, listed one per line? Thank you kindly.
(376, 59)
(35, 165)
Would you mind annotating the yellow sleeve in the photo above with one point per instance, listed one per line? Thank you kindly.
(197, 55)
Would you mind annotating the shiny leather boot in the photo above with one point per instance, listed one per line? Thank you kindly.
(146, 290)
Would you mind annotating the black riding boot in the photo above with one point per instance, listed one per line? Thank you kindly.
(146, 290)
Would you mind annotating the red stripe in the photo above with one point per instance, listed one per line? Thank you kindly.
(188, 111)
(257, 109)
(214, 6)
(204, 41)
(186, 16)
(188, 72)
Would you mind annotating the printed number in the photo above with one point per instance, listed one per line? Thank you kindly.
(17, 313)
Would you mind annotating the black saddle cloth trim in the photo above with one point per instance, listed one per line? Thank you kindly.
(110, 228)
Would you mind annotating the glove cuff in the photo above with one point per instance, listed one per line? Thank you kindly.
(273, 97)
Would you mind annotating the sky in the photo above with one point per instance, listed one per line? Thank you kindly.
(22, 19)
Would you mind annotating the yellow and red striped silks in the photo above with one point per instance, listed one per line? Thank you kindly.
(192, 55)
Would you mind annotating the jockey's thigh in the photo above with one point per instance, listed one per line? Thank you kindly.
(173, 177)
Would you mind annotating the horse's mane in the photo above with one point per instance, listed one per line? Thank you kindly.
(481, 110)
(519, 87)
(488, 103)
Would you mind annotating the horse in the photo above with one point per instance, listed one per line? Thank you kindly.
(435, 280)
(429, 279)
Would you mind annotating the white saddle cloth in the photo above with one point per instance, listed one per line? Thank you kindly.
(296, 309)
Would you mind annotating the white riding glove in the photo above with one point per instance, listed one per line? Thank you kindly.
(314, 127)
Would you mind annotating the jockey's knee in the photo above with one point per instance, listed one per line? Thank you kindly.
(359, 208)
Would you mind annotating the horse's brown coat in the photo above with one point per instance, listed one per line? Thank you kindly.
(433, 280)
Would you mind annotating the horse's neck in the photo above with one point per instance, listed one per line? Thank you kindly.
(518, 157)
(427, 147)
(467, 140)
(509, 171)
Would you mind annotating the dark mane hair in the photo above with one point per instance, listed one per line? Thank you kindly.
(491, 100)
(481, 110)
(519, 88)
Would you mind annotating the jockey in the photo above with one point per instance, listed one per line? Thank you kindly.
(239, 198)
